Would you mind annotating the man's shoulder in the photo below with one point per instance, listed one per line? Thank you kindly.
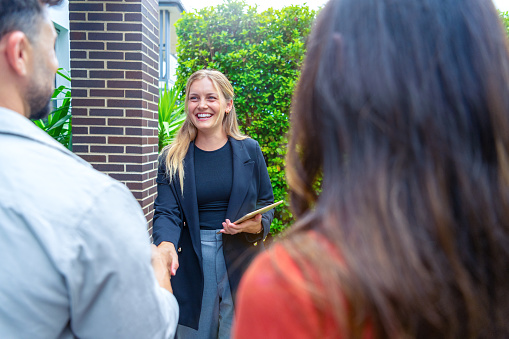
(37, 178)
(36, 159)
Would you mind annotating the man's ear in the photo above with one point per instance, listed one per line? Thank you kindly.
(17, 52)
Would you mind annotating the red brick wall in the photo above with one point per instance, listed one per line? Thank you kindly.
(114, 70)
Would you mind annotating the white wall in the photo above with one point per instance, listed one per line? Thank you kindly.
(60, 17)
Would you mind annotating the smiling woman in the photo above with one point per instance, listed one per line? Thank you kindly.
(210, 175)
(223, 90)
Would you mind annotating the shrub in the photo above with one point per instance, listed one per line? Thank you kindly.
(261, 54)
(171, 115)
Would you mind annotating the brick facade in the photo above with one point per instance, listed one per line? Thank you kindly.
(114, 70)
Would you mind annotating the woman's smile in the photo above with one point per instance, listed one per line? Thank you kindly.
(204, 116)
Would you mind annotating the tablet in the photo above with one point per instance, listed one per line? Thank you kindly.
(261, 210)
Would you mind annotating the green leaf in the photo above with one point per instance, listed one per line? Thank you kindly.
(171, 114)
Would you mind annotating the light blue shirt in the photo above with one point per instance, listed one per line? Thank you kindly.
(74, 251)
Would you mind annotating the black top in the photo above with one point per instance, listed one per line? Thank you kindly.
(214, 178)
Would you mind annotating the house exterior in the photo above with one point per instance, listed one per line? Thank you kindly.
(60, 16)
(112, 49)
(169, 12)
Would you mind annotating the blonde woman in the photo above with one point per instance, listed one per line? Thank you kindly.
(210, 176)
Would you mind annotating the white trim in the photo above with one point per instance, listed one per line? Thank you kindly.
(60, 17)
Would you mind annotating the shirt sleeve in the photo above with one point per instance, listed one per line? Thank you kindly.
(113, 291)
(271, 302)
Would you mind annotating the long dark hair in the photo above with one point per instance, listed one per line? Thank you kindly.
(402, 116)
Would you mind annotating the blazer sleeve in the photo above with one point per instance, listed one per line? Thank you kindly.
(265, 196)
(168, 218)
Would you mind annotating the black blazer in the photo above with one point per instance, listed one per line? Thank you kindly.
(176, 221)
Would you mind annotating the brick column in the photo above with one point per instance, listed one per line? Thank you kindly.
(114, 70)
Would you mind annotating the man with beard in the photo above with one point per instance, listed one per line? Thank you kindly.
(75, 258)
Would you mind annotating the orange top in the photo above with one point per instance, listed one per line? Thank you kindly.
(271, 306)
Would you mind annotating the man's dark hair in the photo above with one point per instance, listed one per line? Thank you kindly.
(22, 15)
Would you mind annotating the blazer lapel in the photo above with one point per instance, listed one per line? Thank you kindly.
(242, 172)
(190, 202)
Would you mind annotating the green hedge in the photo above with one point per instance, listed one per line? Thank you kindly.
(261, 54)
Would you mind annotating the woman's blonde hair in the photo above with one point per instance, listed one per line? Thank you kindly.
(177, 150)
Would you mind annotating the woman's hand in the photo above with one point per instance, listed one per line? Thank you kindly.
(170, 254)
(253, 225)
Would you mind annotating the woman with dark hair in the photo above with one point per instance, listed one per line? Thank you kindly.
(402, 116)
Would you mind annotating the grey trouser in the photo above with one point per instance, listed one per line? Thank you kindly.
(216, 314)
